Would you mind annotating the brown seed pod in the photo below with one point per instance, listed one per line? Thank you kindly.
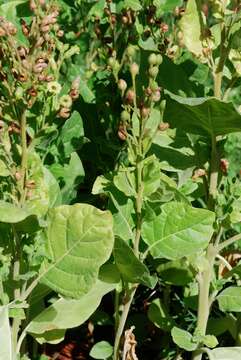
(224, 165)
(198, 173)
(163, 126)
(30, 184)
(130, 96)
(32, 92)
(64, 113)
(74, 94)
(14, 128)
(25, 28)
(122, 133)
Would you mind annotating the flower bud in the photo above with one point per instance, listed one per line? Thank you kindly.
(125, 116)
(164, 28)
(224, 165)
(74, 94)
(145, 112)
(159, 59)
(122, 85)
(64, 113)
(131, 51)
(198, 173)
(152, 59)
(134, 69)
(122, 134)
(76, 83)
(2, 32)
(156, 96)
(153, 72)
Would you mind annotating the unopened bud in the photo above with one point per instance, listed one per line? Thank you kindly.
(122, 133)
(164, 28)
(145, 112)
(198, 173)
(122, 85)
(134, 69)
(224, 165)
(153, 72)
(74, 94)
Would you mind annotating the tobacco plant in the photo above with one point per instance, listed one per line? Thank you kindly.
(145, 96)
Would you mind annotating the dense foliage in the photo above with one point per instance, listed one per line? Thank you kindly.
(120, 194)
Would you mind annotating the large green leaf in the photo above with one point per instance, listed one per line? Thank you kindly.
(224, 353)
(180, 230)
(202, 116)
(130, 267)
(6, 350)
(80, 240)
(166, 5)
(67, 313)
(230, 299)
(191, 27)
(101, 350)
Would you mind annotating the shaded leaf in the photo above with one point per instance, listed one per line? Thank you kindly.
(230, 299)
(183, 339)
(101, 350)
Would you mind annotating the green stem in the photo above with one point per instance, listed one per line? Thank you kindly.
(122, 322)
(24, 159)
(16, 271)
(228, 242)
(204, 282)
(214, 168)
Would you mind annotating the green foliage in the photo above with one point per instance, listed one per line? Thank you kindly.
(120, 173)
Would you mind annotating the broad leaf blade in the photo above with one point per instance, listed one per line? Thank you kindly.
(180, 230)
(225, 353)
(202, 116)
(230, 299)
(66, 313)
(80, 240)
(183, 339)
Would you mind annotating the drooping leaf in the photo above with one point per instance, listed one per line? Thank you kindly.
(4, 171)
(175, 272)
(101, 350)
(183, 339)
(80, 239)
(67, 313)
(190, 25)
(125, 181)
(180, 230)
(230, 299)
(6, 349)
(202, 116)
(130, 267)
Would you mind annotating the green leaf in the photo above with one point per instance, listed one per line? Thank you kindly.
(101, 350)
(183, 339)
(12, 214)
(133, 4)
(158, 314)
(148, 44)
(130, 267)
(225, 353)
(202, 116)
(166, 6)
(125, 181)
(6, 350)
(80, 239)
(50, 337)
(175, 272)
(151, 175)
(180, 230)
(72, 134)
(66, 313)
(190, 25)
(3, 169)
(230, 299)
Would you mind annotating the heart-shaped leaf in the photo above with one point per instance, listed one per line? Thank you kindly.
(80, 240)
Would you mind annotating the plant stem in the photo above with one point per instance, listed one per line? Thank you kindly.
(214, 168)
(122, 322)
(204, 282)
(228, 242)
(16, 271)
(24, 159)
